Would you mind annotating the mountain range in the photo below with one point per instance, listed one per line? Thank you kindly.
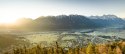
(70, 22)
(108, 20)
(79, 21)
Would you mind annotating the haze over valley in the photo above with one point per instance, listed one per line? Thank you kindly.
(62, 27)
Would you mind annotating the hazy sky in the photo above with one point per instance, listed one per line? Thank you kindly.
(34, 8)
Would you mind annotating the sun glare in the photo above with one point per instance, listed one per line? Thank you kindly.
(10, 15)
(7, 20)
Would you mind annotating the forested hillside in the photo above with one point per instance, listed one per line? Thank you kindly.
(110, 48)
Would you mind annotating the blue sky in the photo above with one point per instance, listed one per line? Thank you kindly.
(34, 8)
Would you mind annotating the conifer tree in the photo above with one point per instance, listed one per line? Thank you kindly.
(90, 49)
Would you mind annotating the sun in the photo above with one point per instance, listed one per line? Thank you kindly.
(7, 20)
(8, 16)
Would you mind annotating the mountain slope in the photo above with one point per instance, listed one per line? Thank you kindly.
(107, 20)
(65, 22)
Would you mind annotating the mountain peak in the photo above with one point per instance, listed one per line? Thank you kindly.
(104, 17)
(110, 16)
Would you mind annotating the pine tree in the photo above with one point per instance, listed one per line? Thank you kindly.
(110, 50)
(90, 49)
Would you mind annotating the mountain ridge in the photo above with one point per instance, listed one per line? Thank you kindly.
(69, 22)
